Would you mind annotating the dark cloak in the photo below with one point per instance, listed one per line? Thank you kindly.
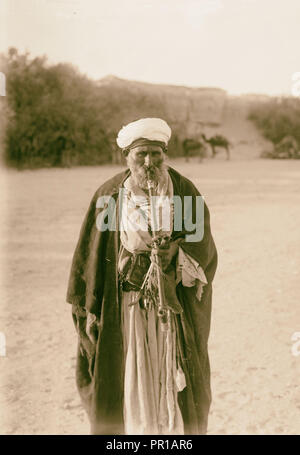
(94, 287)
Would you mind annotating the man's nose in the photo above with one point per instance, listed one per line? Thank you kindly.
(148, 159)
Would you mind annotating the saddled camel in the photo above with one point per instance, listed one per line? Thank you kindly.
(218, 141)
(191, 146)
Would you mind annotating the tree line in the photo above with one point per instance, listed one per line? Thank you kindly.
(279, 121)
(53, 118)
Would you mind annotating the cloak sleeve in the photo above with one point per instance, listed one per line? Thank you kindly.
(189, 272)
(204, 251)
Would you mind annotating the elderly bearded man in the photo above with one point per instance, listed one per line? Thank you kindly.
(143, 368)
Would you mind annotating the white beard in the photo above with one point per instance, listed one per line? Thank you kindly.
(140, 175)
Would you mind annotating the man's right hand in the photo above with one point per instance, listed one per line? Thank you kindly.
(166, 254)
(92, 328)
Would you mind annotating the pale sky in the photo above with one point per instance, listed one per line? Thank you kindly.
(243, 46)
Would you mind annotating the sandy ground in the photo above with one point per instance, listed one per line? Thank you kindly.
(255, 217)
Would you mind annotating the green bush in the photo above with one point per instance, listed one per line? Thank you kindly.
(279, 121)
(54, 119)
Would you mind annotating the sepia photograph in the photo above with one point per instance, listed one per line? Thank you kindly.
(150, 219)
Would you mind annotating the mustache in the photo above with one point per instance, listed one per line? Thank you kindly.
(150, 168)
(143, 173)
(151, 172)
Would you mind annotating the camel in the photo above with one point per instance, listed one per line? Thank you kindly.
(218, 141)
(191, 145)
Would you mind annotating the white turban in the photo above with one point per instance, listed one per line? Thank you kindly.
(153, 129)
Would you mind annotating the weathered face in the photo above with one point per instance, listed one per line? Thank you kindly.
(144, 161)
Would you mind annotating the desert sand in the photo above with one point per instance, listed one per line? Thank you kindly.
(255, 219)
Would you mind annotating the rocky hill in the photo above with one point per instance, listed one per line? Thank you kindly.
(189, 111)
